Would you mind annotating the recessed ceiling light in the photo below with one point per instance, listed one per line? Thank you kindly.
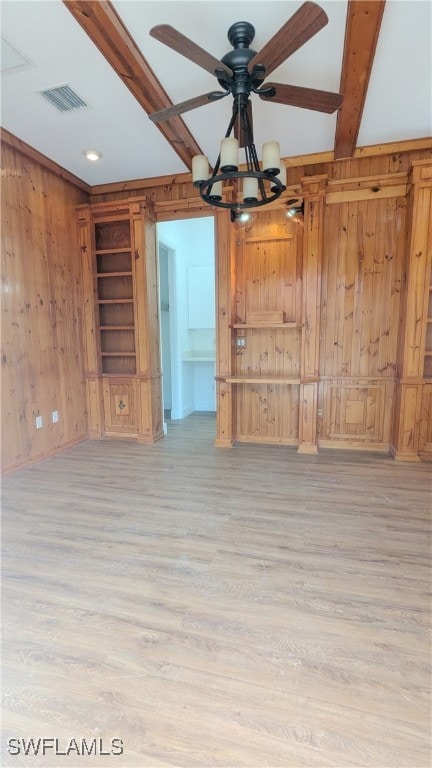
(92, 154)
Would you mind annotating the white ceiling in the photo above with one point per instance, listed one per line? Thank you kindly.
(398, 103)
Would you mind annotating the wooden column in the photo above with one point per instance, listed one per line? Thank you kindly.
(313, 189)
(224, 289)
(412, 332)
(92, 370)
(149, 375)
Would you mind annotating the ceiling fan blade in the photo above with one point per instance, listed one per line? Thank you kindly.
(238, 128)
(178, 42)
(306, 98)
(303, 25)
(186, 106)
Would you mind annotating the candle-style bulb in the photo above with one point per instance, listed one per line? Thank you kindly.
(271, 157)
(200, 169)
(229, 155)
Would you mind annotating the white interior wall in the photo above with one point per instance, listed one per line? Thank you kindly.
(191, 243)
(165, 326)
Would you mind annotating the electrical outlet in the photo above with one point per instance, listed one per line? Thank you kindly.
(54, 417)
(320, 412)
(39, 422)
(240, 341)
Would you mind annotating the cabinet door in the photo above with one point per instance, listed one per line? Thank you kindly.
(120, 406)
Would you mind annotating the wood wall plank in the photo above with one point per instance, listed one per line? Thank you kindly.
(313, 193)
(42, 356)
(362, 270)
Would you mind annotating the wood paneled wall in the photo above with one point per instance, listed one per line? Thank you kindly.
(351, 314)
(347, 393)
(42, 366)
(363, 259)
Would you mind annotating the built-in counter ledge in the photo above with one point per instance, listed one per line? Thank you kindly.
(206, 356)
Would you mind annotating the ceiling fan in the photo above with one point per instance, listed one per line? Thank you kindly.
(243, 71)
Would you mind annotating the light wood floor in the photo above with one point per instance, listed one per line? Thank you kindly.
(210, 607)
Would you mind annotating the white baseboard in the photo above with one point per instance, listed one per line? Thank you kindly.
(182, 413)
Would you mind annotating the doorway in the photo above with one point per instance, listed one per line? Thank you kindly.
(186, 251)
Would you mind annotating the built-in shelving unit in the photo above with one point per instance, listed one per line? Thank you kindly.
(119, 264)
(260, 337)
(115, 297)
(270, 346)
(267, 367)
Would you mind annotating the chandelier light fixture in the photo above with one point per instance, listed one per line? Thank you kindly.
(258, 185)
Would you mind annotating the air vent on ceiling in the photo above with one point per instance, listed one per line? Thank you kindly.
(63, 98)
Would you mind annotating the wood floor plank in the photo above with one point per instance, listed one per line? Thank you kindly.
(253, 607)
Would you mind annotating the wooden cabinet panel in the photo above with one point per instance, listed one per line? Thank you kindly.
(132, 408)
(361, 282)
(356, 413)
(425, 442)
(150, 419)
(120, 406)
(267, 413)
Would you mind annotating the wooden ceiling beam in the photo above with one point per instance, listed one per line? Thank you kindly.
(361, 36)
(100, 21)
